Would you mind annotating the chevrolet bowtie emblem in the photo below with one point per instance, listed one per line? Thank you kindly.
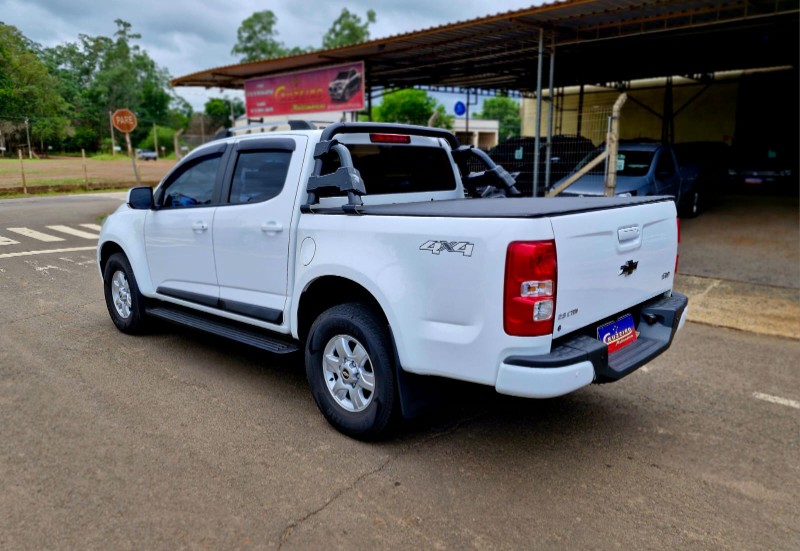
(628, 268)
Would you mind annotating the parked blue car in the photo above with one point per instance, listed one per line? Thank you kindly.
(643, 168)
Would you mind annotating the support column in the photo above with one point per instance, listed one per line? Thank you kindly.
(550, 114)
(667, 117)
(537, 133)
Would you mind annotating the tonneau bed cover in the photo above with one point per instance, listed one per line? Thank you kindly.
(499, 207)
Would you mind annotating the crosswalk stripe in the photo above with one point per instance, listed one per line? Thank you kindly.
(27, 232)
(73, 231)
(7, 241)
(94, 227)
(51, 251)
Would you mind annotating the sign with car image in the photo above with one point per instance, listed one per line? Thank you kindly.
(336, 88)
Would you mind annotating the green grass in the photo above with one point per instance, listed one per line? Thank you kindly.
(108, 157)
(60, 192)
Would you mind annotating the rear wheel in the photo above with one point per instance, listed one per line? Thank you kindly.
(692, 204)
(350, 369)
(124, 301)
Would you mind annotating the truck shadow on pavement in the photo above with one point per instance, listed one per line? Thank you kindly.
(462, 408)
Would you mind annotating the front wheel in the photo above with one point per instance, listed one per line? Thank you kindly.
(124, 301)
(350, 369)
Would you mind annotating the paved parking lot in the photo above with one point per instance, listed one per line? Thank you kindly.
(175, 440)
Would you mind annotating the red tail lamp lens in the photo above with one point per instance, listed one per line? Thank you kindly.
(530, 288)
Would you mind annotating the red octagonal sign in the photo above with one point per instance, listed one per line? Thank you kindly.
(124, 120)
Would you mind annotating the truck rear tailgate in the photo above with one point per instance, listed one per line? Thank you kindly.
(611, 260)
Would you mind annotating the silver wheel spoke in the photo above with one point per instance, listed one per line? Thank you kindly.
(332, 363)
(367, 381)
(355, 397)
(339, 389)
(342, 348)
(360, 355)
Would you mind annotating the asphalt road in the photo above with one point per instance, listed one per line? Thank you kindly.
(174, 440)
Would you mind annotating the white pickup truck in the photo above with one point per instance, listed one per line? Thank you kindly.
(366, 246)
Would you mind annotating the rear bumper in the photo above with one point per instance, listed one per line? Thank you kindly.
(581, 360)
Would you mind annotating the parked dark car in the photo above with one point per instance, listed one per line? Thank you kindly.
(345, 85)
(516, 155)
(643, 168)
(767, 166)
(712, 162)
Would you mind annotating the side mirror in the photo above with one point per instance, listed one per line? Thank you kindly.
(141, 198)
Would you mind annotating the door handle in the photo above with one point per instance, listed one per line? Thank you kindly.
(199, 226)
(272, 227)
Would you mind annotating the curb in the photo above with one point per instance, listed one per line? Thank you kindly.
(746, 306)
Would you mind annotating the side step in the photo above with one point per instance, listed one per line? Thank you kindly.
(223, 328)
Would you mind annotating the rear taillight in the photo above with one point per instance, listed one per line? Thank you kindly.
(678, 220)
(530, 288)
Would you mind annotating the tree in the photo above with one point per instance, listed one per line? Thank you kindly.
(28, 92)
(101, 74)
(505, 110)
(256, 38)
(348, 29)
(410, 106)
(219, 111)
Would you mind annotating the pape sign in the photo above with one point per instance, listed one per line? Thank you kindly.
(124, 120)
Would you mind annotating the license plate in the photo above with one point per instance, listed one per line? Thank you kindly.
(617, 334)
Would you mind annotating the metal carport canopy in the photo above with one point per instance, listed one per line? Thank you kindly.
(598, 42)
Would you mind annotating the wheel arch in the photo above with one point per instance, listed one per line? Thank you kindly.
(328, 291)
(108, 249)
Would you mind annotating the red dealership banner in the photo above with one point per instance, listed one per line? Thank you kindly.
(338, 88)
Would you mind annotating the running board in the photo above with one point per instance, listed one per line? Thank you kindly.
(222, 328)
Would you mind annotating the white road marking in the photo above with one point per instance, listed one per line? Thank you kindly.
(94, 227)
(27, 232)
(45, 269)
(7, 241)
(73, 231)
(85, 262)
(777, 400)
(50, 251)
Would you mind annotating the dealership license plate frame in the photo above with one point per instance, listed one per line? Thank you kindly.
(618, 334)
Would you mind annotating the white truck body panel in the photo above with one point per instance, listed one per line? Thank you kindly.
(589, 246)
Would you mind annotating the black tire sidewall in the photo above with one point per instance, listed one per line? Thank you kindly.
(134, 323)
(360, 322)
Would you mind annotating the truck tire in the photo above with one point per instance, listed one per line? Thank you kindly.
(350, 369)
(124, 301)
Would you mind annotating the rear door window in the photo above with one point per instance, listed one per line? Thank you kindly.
(259, 176)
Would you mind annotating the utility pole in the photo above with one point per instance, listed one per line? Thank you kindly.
(28, 134)
(155, 138)
(111, 124)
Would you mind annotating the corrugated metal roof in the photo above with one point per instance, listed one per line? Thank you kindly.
(597, 41)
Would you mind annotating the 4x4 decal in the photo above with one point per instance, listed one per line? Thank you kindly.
(437, 247)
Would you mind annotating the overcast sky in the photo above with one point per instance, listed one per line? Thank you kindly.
(186, 36)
